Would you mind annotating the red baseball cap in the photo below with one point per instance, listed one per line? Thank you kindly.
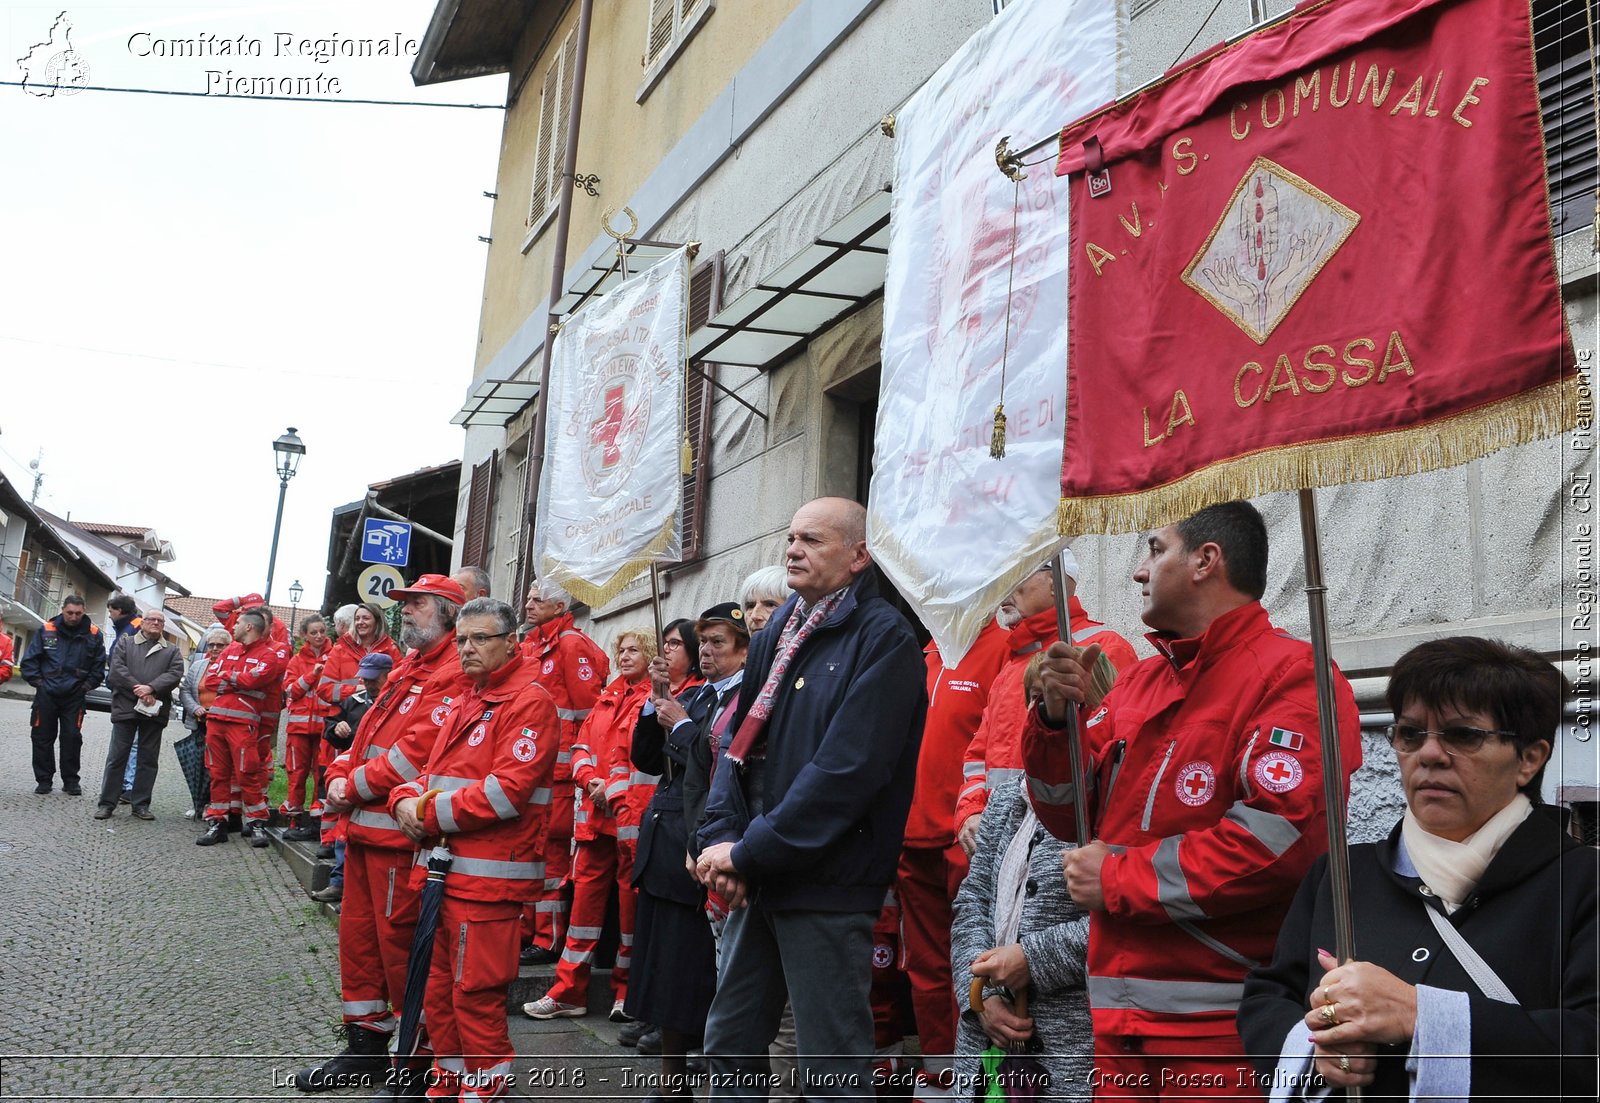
(440, 584)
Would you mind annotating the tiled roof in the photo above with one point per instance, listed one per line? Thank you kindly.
(113, 530)
(198, 609)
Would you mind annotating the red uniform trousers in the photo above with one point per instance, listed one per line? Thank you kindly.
(266, 748)
(597, 865)
(549, 909)
(376, 922)
(925, 885)
(474, 963)
(1132, 1066)
(233, 758)
(299, 759)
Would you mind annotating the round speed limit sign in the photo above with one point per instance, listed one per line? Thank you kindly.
(376, 582)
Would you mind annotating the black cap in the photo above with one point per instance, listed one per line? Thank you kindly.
(728, 612)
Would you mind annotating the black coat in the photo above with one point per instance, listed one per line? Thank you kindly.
(1532, 919)
(658, 867)
(841, 758)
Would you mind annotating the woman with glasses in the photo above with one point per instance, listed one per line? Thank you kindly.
(194, 711)
(1474, 964)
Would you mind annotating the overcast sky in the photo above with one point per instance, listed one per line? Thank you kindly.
(185, 277)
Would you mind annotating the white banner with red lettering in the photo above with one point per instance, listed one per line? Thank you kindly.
(611, 492)
(954, 528)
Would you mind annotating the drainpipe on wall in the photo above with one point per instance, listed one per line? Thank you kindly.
(558, 269)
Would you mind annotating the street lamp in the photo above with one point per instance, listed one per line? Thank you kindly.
(288, 449)
(296, 592)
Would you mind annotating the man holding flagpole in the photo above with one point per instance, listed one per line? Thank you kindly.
(1205, 792)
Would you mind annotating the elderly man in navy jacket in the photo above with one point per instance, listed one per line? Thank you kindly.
(807, 808)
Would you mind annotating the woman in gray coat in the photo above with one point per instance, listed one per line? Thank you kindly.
(1015, 888)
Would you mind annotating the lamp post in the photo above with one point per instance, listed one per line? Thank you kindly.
(296, 592)
(288, 449)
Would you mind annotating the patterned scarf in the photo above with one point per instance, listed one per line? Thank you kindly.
(795, 632)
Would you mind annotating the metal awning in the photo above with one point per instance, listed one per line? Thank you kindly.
(495, 402)
(605, 273)
(836, 274)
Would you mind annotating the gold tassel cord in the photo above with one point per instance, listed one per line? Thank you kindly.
(997, 442)
(686, 457)
(1537, 414)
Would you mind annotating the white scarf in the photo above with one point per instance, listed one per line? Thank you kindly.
(1452, 869)
(1010, 882)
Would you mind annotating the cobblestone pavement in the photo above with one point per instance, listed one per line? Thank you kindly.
(136, 964)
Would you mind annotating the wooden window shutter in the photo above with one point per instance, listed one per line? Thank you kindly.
(553, 106)
(480, 509)
(663, 28)
(1567, 104)
(705, 299)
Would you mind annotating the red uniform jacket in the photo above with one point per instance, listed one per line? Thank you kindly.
(394, 740)
(242, 676)
(994, 757)
(306, 712)
(609, 724)
(574, 669)
(956, 696)
(227, 612)
(490, 772)
(1207, 783)
(339, 671)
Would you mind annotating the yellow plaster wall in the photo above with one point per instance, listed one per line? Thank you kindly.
(621, 141)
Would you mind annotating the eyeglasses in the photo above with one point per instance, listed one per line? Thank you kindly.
(1457, 739)
(671, 645)
(478, 639)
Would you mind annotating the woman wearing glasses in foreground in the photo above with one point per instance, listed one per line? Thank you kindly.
(1474, 970)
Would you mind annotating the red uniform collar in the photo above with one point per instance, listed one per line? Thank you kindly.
(503, 681)
(1233, 627)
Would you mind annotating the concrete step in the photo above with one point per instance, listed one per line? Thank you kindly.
(312, 872)
(533, 981)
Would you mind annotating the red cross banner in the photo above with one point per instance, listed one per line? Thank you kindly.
(611, 492)
(1319, 255)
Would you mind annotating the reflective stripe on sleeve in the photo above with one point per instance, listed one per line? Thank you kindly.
(1172, 888)
(573, 714)
(1173, 997)
(366, 817)
(446, 813)
(497, 798)
(402, 764)
(1271, 830)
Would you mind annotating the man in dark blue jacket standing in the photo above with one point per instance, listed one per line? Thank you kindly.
(807, 809)
(65, 660)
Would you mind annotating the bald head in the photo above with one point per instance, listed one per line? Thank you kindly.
(827, 547)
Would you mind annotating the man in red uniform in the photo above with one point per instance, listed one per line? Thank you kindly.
(931, 864)
(574, 669)
(242, 679)
(1205, 796)
(227, 611)
(994, 757)
(379, 911)
(485, 795)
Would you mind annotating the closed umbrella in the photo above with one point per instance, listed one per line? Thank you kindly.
(421, 959)
(191, 752)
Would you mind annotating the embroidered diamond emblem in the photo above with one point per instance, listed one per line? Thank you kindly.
(1270, 243)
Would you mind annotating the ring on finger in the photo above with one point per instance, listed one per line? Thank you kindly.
(1344, 1063)
(1330, 1014)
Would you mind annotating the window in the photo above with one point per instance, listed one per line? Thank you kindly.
(1567, 102)
(705, 299)
(480, 508)
(516, 505)
(550, 149)
(672, 24)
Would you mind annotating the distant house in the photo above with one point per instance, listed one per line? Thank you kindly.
(39, 567)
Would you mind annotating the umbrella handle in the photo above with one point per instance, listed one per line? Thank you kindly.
(1019, 999)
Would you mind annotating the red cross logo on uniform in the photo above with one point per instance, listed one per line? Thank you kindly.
(1277, 772)
(1196, 782)
(605, 431)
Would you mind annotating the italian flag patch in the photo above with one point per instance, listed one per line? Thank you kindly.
(1288, 740)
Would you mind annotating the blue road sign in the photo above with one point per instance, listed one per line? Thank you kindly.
(386, 542)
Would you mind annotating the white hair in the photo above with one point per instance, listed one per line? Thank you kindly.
(344, 618)
(549, 591)
(768, 582)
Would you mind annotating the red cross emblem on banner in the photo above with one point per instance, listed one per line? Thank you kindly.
(1278, 772)
(608, 428)
(1196, 782)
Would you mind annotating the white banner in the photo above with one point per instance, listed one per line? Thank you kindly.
(611, 492)
(954, 528)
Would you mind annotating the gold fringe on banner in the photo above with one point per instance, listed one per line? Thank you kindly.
(1536, 414)
(597, 594)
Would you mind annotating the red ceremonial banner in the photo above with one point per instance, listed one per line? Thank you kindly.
(1324, 256)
